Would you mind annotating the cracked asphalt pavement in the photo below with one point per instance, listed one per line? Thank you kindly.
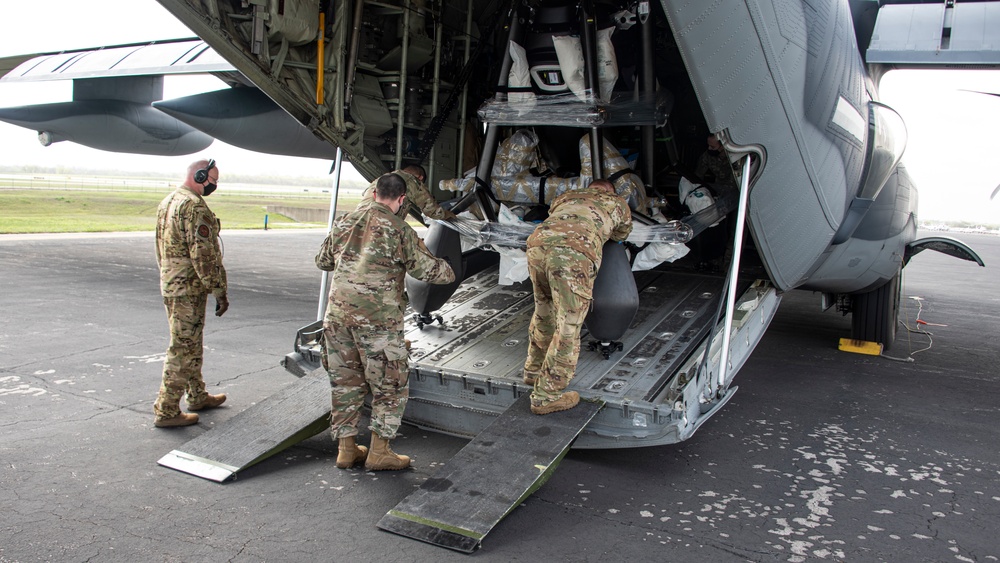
(821, 454)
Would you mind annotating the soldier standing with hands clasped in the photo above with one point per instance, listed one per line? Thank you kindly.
(369, 251)
(190, 262)
(564, 254)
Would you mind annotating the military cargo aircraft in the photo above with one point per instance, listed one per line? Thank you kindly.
(506, 103)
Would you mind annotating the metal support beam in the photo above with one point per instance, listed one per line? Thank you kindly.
(435, 94)
(463, 112)
(588, 42)
(734, 270)
(647, 81)
(485, 169)
(324, 286)
(401, 112)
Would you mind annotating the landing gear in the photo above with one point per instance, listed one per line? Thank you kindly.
(874, 315)
(426, 319)
(605, 348)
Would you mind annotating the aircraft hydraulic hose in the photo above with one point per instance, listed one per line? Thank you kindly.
(319, 59)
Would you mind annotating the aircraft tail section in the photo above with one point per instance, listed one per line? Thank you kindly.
(939, 35)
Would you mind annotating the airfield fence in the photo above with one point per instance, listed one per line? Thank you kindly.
(153, 185)
(74, 182)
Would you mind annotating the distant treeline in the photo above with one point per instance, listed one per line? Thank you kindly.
(233, 177)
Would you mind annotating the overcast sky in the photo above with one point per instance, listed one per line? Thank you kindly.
(951, 151)
(74, 24)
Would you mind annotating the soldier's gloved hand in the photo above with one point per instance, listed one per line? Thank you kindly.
(221, 304)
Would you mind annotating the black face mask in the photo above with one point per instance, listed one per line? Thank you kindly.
(713, 152)
(208, 189)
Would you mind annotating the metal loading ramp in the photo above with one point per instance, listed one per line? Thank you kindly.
(510, 459)
(297, 412)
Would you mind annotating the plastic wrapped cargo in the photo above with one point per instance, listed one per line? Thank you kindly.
(624, 109)
(513, 181)
(515, 235)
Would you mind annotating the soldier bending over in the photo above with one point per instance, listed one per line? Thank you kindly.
(564, 254)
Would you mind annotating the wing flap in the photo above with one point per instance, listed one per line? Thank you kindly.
(190, 56)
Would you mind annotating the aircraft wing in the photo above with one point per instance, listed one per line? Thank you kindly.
(380, 82)
(8, 64)
(182, 56)
(117, 103)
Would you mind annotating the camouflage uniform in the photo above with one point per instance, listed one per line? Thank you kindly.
(710, 247)
(190, 261)
(564, 254)
(369, 251)
(719, 166)
(416, 196)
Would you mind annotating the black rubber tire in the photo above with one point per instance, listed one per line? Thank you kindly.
(874, 315)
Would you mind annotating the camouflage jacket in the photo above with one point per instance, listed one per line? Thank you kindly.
(369, 251)
(187, 246)
(719, 166)
(584, 220)
(416, 196)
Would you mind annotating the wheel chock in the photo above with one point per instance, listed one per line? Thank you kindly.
(860, 347)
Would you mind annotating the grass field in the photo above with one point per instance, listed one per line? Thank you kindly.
(73, 210)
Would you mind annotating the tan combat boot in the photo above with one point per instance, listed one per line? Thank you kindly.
(210, 402)
(182, 419)
(349, 453)
(564, 403)
(381, 457)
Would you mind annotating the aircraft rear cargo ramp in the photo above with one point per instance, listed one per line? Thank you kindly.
(489, 477)
(297, 412)
(455, 508)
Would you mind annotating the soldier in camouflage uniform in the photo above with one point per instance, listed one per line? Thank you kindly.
(190, 262)
(564, 254)
(714, 166)
(369, 251)
(417, 194)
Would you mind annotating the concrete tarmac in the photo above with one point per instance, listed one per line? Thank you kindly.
(821, 455)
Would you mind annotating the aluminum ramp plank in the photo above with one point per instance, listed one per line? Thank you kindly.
(510, 459)
(297, 412)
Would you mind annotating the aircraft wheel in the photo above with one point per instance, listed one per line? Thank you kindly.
(874, 315)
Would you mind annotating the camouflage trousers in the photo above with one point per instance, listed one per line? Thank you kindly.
(563, 281)
(360, 360)
(182, 367)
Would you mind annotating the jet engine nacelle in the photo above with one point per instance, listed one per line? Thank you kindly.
(247, 118)
(109, 125)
